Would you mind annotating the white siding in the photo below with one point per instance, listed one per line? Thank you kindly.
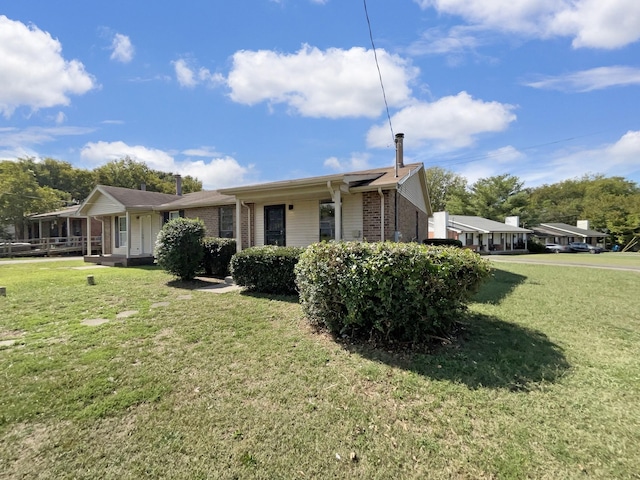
(303, 223)
(258, 234)
(103, 205)
(352, 222)
(411, 189)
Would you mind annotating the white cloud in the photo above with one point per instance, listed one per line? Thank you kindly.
(60, 118)
(190, 77)
(334, 83)
(122, 49)
(621, 158)
(33, 72)
(214, 173)
(201, 152)
(448, 123)
(591, 23)
(588, 80)
(357, 161)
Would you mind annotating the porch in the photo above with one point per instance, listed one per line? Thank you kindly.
(114, 260)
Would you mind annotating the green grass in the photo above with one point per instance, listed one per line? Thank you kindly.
(544, 382)
(619, 259)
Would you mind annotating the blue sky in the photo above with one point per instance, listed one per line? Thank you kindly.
(263, 90)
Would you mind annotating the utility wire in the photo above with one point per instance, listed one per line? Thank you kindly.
(375, 55)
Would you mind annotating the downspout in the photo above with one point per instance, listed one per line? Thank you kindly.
(381, 193)
(248, 223)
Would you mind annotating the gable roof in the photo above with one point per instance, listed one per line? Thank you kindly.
(469, 223)
(563, 230)
(124, 199)
(63, 212)
(204, 198)
(359, 181)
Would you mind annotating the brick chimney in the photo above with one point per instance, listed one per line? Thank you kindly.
(178, 184)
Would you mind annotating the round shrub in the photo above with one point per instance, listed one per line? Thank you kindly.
(217, 253)
(388, 292)
(267, 269)
(178, 247)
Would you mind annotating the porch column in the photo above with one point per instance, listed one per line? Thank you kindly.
(128, 220)
(68, 229)
(338, 202)
(239, 225)
(40, 229)
(101, 232)
(88, 235)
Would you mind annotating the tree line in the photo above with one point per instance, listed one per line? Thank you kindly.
(611, 204)
(29, 186)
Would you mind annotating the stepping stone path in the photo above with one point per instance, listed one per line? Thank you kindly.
(94, 322)
(185, 297)
(127, 314)
(7, 343)
(159, 304)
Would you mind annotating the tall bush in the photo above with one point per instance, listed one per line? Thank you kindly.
(267, 269)
(178, 248)
(390, 292)
(217, 253)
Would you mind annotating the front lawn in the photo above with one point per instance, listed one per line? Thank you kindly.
(542, 383)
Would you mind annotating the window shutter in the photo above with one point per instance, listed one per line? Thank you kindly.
(181, 213)
(116, 230)
(165, 217)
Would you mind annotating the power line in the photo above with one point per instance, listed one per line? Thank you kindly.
(375, 55)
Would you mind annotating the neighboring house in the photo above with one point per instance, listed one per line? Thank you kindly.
(129, 223)
(480, 234)
(562, 234)
(63, 231)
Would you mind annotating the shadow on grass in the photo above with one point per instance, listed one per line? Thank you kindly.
(196, 283)
(489, 353)
(271, 296)
(499, 287)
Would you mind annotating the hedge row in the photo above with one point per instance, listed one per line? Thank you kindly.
(267, 269)
(391, 292)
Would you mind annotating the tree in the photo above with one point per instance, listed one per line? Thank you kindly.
(21, 196)
(62, 176)
(129, 173)
(499, 197)
(447, 190)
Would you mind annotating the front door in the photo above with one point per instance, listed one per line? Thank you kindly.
(146, 239)
(274, 225)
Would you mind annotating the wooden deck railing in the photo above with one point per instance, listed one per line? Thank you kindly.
(49, 246)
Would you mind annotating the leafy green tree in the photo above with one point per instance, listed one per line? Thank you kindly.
(21, 196)
(63, 176)
(498, 197)
(447, 190)
(129, 173)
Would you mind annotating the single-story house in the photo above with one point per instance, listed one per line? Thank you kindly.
(388, 203)
(480, 234)
(563, 234)
(63, 231)
(129, 222)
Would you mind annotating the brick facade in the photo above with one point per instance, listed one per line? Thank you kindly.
(211, 218)
(412, 222)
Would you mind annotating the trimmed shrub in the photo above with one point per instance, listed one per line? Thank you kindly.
(267, 269)
(388, 292)
(178, 248)
(536, 247)
(443, 242)
(217, 253)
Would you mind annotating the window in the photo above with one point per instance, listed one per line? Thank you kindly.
(327, 220)
(174, 214)
(226, 222)
(121, 232)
